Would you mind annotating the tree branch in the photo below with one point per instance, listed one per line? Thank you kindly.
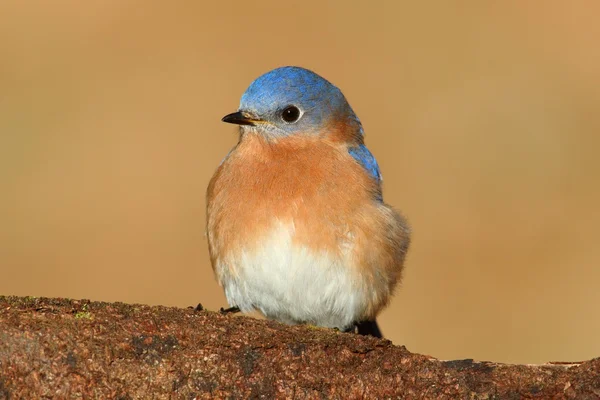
(66, 348)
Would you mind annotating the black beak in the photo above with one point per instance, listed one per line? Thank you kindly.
(239, 118)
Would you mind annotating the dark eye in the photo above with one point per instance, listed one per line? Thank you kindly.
(290, 114)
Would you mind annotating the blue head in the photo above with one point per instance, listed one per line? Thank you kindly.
(292, 100)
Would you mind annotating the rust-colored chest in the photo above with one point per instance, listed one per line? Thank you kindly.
(311, 183)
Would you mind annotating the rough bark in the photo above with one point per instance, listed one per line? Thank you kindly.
(58, 348)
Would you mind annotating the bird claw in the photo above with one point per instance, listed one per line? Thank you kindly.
(230, 310)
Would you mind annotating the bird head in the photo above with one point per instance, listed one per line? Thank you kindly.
(293, 100)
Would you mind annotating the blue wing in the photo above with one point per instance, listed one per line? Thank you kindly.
(368, 161)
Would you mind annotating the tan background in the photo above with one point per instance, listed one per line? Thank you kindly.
(483, 116)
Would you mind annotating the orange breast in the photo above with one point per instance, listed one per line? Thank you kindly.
(314, 184)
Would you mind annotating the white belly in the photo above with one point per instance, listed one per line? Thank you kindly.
(292, 283)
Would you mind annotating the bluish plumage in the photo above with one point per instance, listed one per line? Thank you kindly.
(320, 102)
(362, 154)
(367, 160)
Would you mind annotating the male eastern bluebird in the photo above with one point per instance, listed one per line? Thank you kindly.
(296, 223)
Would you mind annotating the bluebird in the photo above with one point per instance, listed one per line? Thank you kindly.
(296, 223)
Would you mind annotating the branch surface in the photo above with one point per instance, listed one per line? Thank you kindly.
(60, 348)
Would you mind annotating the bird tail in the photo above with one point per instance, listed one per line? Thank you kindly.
(369, 328)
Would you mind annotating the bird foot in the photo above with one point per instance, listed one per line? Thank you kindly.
(230, 310)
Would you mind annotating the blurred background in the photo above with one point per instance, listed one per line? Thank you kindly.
(483, 116)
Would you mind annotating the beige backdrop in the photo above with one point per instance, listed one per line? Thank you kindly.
(483, 116)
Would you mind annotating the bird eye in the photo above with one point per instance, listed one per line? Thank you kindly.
(290, 114)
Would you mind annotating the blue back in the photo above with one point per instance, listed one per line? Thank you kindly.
(365, 158)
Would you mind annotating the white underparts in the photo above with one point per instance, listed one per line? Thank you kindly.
(292, 283)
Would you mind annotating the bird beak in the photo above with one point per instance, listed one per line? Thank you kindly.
(241, 118)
